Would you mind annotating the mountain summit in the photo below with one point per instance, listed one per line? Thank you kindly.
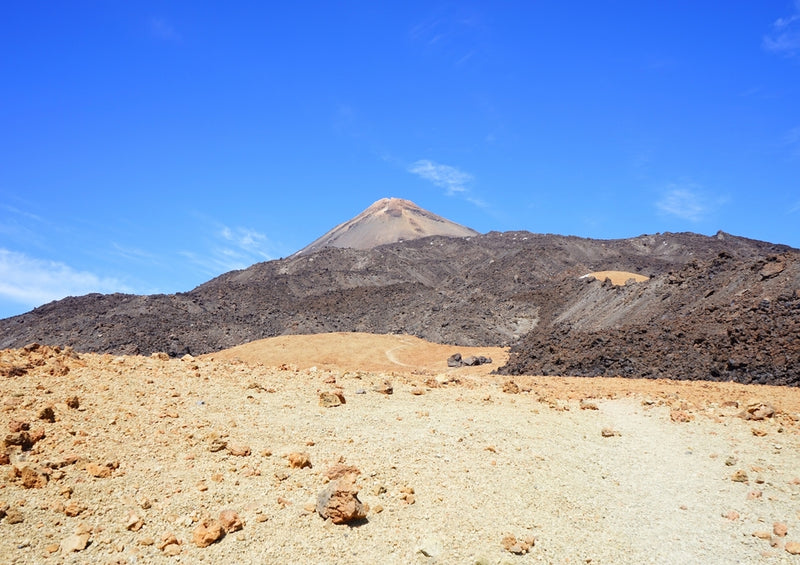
(388, 220)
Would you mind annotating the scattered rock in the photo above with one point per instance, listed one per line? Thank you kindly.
(31, 478)
(519, 547)
(587, 404)
(780, 529)
(609, 432)
(299, 460)
(16, 426)
(207, 532)
(758, 432)
(330, 399)
(762, 535)
(217, 444)
(339, 501)
(680, 416)
(792, 547)
(454, 360)
(21, 439)
(75, 542)
(739, 476)
(99, 471)
(14, 516)
(239, 450)
(166, 540)
(417, 391)
(73, 402)
(754, 495)
(510, 387)
(47, 414)
(757, 410)
(133, 522)
(733, 515)
(384, 388)
(340, 470)
(230, 521)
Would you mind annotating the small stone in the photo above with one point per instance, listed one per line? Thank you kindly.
(779, 529)
(758, 432)
(172, 549)
(51, 548)
(340, 470)
(98, 471)
(587, 404)
(147, 541)
(230, 521)
(519, 547)
(792, 547)
(739, 476)
(757, 410)
(167, 540)
(217, 444)
(384, 388)
(298, 460)
(609, 432)
(14, 516)
(31, 478)
(510, 387)
(73, 509)
(417, 391)
(754, 494)
(16, 426)
(73, 402)
(331, 399)
(47, 414)
(239, 450)
(133, 522)
(207, 532)
(339, 502)
(680, 416)
(762, 535)
(733, 515)
(75, 542)
(730, 461)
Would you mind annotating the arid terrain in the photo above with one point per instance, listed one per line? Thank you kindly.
(140, 459)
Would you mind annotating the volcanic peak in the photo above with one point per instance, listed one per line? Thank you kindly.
(389, 220)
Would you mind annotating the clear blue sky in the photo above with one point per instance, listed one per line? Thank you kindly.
(149, 146)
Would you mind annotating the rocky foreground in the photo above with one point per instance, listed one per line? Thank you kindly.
(136, 459)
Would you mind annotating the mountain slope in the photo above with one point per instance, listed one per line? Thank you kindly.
(389, 220)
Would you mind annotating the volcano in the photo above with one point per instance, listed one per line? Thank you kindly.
(389, 220)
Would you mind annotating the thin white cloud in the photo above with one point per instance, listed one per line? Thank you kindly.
(162, 29)
(784, 36)
(232, 249)
(32, 282)
(443, 176)
(684, 202)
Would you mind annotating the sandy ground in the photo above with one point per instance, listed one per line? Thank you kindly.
(618, 278)
(451, 463)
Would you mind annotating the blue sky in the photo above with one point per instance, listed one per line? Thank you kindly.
(149, 146)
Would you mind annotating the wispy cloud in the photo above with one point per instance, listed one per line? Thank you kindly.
(232, 249)
(32, 282)
(443, 176)
(686, 202)
(784, 36)
(162, 29)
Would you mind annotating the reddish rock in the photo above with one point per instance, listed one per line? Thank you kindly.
(133, 522)
(31, 478)
(75, 542)
(98, 471)
(299, 460)
(340, 470)
(230, 521)
(339, 502)
(680, 416)
(779, 529)
(733, 515)
(510, 387)
(207, 532)
(16, 426)
(47, 414)
(792, 547)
